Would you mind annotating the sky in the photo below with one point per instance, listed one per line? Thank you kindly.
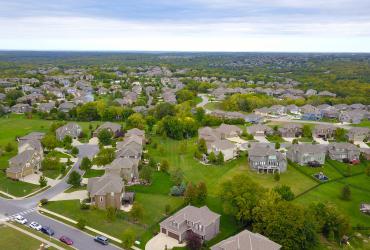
(186, 25)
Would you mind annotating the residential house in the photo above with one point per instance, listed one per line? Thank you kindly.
(131, 147)
(208, 134)
(254, 118)
(266, 159)
(201, 221)
(137, 132)
(247, 240)
(305, 153)
(291, 130)
(46, 107)
(358, 134)
(260, 130)
(343, 150)
(65, 107)
(324, 131)
(227, 148)
(71, 129)
(106, 191)
(352, 116)
(293, 109)
(114, 128)
(21, 108)
(126, 168)
(23, 164)
(326, 93)
(228, 131)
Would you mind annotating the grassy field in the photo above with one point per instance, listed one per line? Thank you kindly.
(364, 123)
(12, 239)
(93, 173)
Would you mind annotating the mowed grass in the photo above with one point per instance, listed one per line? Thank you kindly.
(90, 173)
(330, 192)
(327, 169)
(347, 169)
(181, 156)
(12, 239)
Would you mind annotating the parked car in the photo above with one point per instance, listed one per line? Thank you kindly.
(314, 164)
(101, 239)
(355, 162)
(20, 219)
(66, 240)
(47, 230)
(35, 225)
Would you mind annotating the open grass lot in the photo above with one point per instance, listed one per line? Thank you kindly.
(364, 123)
(12, 239)
(16, 188)
(214, 175)
(330, 192)
(358, 181)
(327, 169)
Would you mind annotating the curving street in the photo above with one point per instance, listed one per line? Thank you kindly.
(27, 208)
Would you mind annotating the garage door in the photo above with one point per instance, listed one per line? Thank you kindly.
(172, 235)
(164, 230)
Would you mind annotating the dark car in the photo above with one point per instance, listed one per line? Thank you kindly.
(101, 239)
(66, 240)
(47, 230)
(314, 164)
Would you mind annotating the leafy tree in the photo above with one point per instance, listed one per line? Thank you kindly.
(212, 157)
(50, 163)
(165, 166)
(146, 174)
(202, 192)
(346, 193)
(190, 194)
(290, 225)
(331, 223)
(75, 151)
(367, 171)
(67, 140)
(49, 141)
(128, 238)
(220, 158)
(150, 121)
(193, 241)
(177, 176)
(184, 95)
(200, 114)
(74, 179)
(9, 147)
(43, 181)
(105, 137)
(178, 190)
(202, 146)
(87, 112)
(85, 164)
(277, 176)
(277, 145)
(240, 195)
(295, 141)
(136, 120)
(137, 211)
(340, 135)
(81, 223)
(306, 131)
(285, 192)
(104, 157)
(164, 109)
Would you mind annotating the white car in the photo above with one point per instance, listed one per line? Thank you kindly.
(20, 219)
(35, 225)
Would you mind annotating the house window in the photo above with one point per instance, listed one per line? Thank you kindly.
(101, 199)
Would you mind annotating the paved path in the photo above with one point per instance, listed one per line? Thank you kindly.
(203, 103)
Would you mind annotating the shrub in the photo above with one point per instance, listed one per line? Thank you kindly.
(346, 193)
(81, 223)
(178, 190)
(44, 201)
(128, 238)
(43, 181)
(84, 206)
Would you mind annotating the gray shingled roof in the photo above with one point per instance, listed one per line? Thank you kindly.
(105, 184)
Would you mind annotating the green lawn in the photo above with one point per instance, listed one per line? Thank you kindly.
(16, 188)
(347, 169)
(12, 239)
(330, 192)
(364, 123)
(93, 173)
(327, 169)
(275, 138)
(58, 154)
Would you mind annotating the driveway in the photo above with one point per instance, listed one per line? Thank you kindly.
(320, 141)
(87, 150)
(261, 139)
(361, 144)
(160, 241)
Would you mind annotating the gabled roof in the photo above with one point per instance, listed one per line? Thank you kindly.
(105, 184)
(247, 240)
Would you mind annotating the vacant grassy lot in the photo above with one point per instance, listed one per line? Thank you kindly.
(12, 239)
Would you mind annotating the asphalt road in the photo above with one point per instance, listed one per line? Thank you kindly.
(81, 240)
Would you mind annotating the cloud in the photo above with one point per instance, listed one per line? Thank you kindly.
(227, 25)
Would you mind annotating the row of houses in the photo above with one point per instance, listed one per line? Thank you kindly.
(108, 190)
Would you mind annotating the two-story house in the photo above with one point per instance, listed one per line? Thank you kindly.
(344, 150)
(305, 153)
(266, 159)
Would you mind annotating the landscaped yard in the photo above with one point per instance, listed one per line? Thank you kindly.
(93, 173)
(12, 239)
